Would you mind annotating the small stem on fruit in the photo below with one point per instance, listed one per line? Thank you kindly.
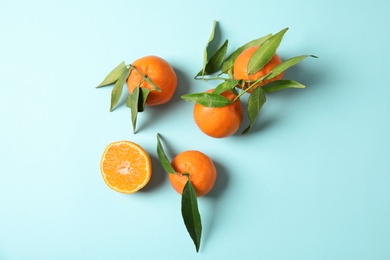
(185, 174)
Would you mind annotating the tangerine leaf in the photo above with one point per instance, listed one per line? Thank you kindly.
(256, 101)
(215, 62)
(286, 64)
(118, 88)
(206, 49)
(229, 62)
(163, 157)
(207, 99)
(113, 76)
(234, 90)
(226, 85)
(281, 84)
(190, 213)
(264, 54)
(132, 103)
(155, 87)
(143, 95)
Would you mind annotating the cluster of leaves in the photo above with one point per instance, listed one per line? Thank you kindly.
(189, 202)
(135, 100)
(223, 64)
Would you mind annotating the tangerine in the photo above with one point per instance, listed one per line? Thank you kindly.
(125, 166)
(160, 72)
(240, 68)
(200, 169)
(219, 122)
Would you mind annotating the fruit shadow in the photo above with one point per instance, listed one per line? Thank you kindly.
(214, 195)
(183, 82)
(221, 182)
(311, 76)
(158, 176)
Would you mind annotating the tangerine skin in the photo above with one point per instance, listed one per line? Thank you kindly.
(160, 72)
(219, 122)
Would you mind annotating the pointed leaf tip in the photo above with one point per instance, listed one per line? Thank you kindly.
(264, 54)
(118, 87)
(163, 157)
(206, 50)
(190, 213)
(281, 84)
(133, 103)
(113, 76)
(215, 62)
(229, 62)
(255, 102)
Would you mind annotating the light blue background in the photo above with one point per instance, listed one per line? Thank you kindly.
(311, 181)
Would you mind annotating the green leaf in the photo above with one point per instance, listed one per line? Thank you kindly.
(226, 85)
(215, 62)
(255, 102)
(234, 90)
(143, 95)
(190, 213)
(163, 158)
(281, 84)
(136, 102)
(118, 87)
(206, 49)
(207, 99)
(286, 64)
(145, 78)
(264, 54)
(114, 75)
(132, 103)
(155, 87)
(229, 62)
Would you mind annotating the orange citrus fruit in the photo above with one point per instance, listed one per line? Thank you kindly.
(198, 166)
(159, 72)
(125, 166)
(219, 122)
(240, 68)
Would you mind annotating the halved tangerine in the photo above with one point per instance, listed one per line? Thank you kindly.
(125, 166)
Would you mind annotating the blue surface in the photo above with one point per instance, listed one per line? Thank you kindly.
(311, 181)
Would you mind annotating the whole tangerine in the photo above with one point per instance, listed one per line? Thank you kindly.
(157, 70)
(219, 122)
(195, 166)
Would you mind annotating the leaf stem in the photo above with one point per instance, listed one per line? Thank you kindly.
(251, 86)
(145, 78)
(208, 79)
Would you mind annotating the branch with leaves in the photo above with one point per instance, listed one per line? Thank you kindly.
(135, 100)
(189, 202)
(220, 64)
